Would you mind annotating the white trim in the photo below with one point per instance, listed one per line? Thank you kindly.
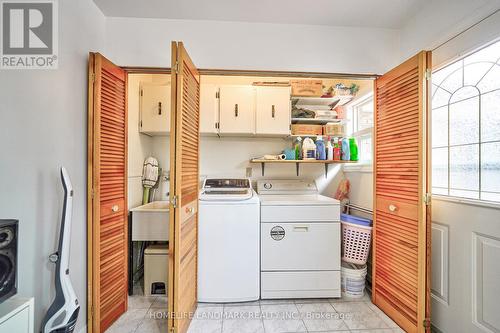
(464, 201)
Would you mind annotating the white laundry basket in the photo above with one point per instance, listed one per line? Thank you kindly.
(353, 279)
(356, 239)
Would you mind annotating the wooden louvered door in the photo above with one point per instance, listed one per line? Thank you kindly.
(107, 193)
(401, 241)
(184, 179)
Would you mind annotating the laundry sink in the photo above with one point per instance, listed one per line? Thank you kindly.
(150, 222)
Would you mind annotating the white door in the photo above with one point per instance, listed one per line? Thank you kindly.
(237, 110)
(209, 108)
(155, 108)
(273, 110)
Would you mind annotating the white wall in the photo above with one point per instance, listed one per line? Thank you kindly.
(232, 45)
(43, 116)
(440, 21)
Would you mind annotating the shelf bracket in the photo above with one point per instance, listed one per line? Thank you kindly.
(263, 167)
(326, 170)
(297, 168)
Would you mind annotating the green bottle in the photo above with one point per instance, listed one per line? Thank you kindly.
(353, 148)
(298, 148)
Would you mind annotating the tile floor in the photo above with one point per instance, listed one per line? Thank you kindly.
(147, 315)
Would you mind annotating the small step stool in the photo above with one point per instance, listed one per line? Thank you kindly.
(155, 270)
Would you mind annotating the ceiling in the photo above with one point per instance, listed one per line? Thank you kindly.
(360, 13)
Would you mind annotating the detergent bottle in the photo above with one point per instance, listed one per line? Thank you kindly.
(329, 149)
(353, 149)
(320, 148)
(308, 149)
(346, 152)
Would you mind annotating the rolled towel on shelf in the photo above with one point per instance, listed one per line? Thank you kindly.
(273, 157)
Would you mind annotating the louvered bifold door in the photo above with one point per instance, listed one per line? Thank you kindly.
(107, 193)
(400, 243)
(184, 173)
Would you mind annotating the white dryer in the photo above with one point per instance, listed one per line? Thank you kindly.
(228, 241)
(300, 240)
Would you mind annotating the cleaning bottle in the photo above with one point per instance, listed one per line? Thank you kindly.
(346, 153)
(337, 151)
(308, 149)
(329, 149)
(353, 149)
(298, 148)
(320, 148)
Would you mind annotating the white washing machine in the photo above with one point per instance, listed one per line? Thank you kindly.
(300, 241)
(228, 241)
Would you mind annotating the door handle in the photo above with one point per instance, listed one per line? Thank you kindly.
(236, 110)
(301, 228)
(393, 208)
(114, 208)
(273, 111)
(159, 108)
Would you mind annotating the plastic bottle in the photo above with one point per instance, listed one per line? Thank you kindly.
(320, 148)
(353, 149)
(298, 148)
(308, 149)
(337, 151)
(346, 152)
(329, 149)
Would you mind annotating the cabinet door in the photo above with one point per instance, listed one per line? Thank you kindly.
(155, 108)
(209, 109)
(237, 110)
(273, 110)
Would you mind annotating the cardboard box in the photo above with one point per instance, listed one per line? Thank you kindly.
(333, 129)
(307, 88)
(306, 129)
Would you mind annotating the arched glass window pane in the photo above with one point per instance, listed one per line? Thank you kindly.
(491, 80)
(490, 116)
(466, 127)
(464, 93)
(439, 76)
(464, 122)
(464, 167)
(454, 81)
(440, 98)
(440, 127)
(474, 72)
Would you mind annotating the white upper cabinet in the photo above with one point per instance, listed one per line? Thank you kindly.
(237, 110)
(273, 110)
(209, 109)
(155, 108)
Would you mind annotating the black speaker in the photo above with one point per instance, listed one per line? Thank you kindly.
(8, 258)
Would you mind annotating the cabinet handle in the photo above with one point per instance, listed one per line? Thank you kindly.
(159, 108)
(301, 228)
(273, 111)
(236, 110)
(393, 208)
(114, 208)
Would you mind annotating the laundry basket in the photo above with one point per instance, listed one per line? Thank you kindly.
(356, 238)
